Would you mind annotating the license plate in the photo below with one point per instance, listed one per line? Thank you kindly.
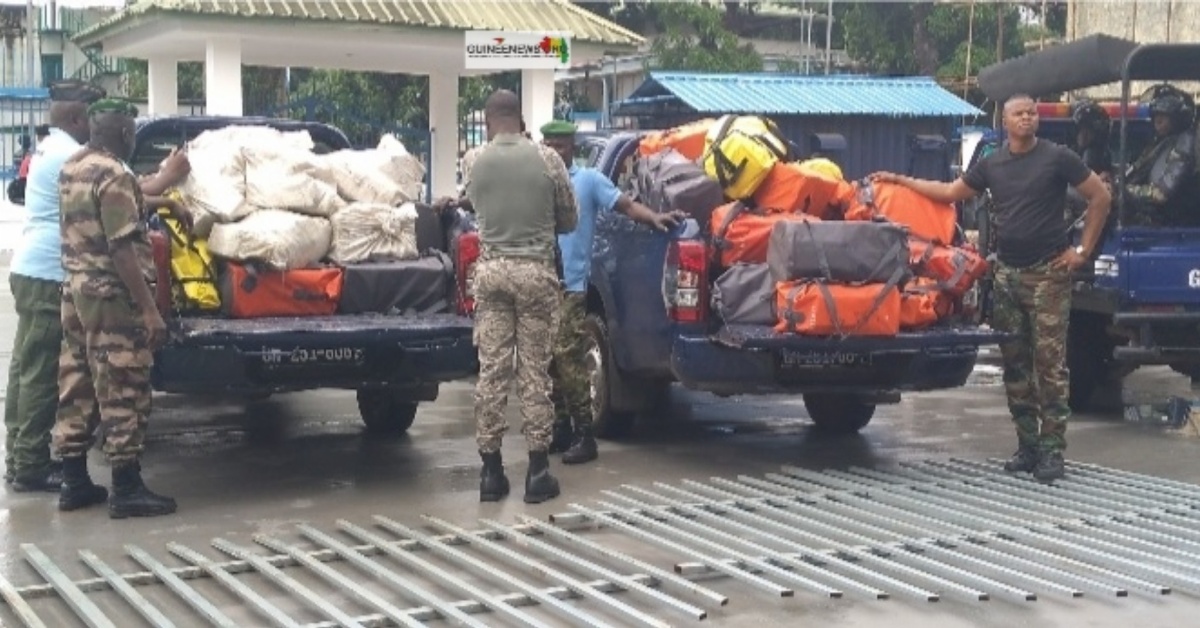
(801, 359)
(310, 355)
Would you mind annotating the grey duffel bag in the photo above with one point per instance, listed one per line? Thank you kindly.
(745, 294)
(838, 251)
(667, 180)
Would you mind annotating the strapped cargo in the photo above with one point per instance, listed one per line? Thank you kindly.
(739, 152)
(193, 272)
(847, 252)
(250, 292)
(923, 303)
(745, 294)
(668, 180)
(795, 187)
(816, 308)
(687, 140)
(741, 233)
(924, 217)
(955, 269)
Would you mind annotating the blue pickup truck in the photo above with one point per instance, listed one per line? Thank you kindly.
(650, 325)
(393, 362)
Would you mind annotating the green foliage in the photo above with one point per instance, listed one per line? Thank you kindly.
(696, 39)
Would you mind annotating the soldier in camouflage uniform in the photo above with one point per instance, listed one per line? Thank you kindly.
(1162, 185)
(595, 193)
(111, 324)
(1028, 178)
(521, 193)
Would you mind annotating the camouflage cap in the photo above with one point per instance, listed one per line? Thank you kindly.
(119, 106)
(73, 90)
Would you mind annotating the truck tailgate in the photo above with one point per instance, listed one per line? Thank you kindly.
(764, 337)
(343, 327)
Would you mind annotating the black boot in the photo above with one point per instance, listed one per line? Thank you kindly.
(493, 484)
(539, 484)
(78, 490)
(1024, 460)
(562, 437)
(1050, 467)
(131, 498)
(583, 449)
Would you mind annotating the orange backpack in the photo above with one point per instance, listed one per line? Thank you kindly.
(741, 234)
(791, 188)
(814, 308)
(925, 218)
(687, 139)
(955, 269)
(923, 303)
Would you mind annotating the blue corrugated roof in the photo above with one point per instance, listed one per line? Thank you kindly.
(781, 94)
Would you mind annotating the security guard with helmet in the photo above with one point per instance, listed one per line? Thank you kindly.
(1161, 187)
(1092, 131)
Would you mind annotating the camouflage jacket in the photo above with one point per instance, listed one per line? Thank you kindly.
(102, 207)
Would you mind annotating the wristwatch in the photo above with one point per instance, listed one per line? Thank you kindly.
(1079, 251)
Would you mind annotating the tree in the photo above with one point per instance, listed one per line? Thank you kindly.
(696, 39)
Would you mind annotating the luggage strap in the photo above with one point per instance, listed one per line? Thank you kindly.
(726, 170)
(896, 249)
(189, 243)
(960, 261)
(719, 240)
(792, 317)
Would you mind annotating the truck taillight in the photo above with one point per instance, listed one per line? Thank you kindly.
(685, 281)
(464, 267)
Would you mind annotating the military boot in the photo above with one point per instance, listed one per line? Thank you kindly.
(493, 484)
(583, 449)
(78, 490)
(1050, 467)
(562, 436)
(539, 484)
(131, 498)
(1024, 460)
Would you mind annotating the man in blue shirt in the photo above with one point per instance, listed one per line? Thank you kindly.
(594, 193)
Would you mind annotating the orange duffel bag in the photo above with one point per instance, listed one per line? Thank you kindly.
(814, 308)
(742, 234)
(248, 292)
(790, 187)
(923, 303)
(955, 269)
(925, 218)
(688, 139)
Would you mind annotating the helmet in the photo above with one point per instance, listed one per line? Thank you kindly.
(822, 167)
(1090, 116)
(1171, 101)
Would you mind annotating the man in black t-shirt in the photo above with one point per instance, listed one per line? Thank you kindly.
(1028, 180)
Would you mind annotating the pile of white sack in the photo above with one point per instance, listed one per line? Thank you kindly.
(263, 195)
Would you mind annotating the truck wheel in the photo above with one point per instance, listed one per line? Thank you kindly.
(1088, 354)
(383, 413)
(836, 413)
(604, 375)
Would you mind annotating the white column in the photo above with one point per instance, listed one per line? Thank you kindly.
(223, 77)
(537, 99)
(443, 130)
(163, 88)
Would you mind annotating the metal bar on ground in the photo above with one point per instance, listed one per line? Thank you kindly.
(75, 599)
(18, 604)
(235, 586)
(126, 591)
(173, 582)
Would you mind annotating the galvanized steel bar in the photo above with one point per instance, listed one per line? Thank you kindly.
(734, 571)
(18, 604)
(546, 549)
(448, 612)
(75, 599)
(126, 591)
(1135, 479)
(237, 587)
(339, 580)
(286, 583)
(189, 595)
(599, 551)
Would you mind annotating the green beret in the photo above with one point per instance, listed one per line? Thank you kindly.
(119, 106)
(74, 90)
(558, 127)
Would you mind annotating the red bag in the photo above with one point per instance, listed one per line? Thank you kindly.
(820, 309)
(923, 303)
(789, 188)
(741, 234)
(160, 250)
(955, 269)
(688, 139)
(924, 217)
(251, 293)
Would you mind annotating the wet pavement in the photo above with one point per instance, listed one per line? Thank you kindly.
(239, 469)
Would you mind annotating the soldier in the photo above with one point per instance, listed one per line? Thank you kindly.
(1162, 185)
(110, 321)
(1092, 128)
(521, 193)
(1028, 179)
(594, 193)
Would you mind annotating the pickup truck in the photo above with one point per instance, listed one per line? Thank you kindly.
(393, 362)
(650, 325)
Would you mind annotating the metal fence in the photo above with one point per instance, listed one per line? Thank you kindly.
(21, 109)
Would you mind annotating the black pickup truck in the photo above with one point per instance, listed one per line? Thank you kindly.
(393, 362)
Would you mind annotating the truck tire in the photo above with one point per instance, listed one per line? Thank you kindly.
(1089, 351)
(605, 377)
(384, 413)
(838, 413)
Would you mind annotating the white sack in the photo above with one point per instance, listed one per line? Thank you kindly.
(369, 231)
(280, 239)
(387, 174)
(287, 179)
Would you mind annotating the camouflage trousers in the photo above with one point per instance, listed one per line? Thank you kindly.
(572, 385)
(103, 377)
(1035, 304)
(516, 316)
